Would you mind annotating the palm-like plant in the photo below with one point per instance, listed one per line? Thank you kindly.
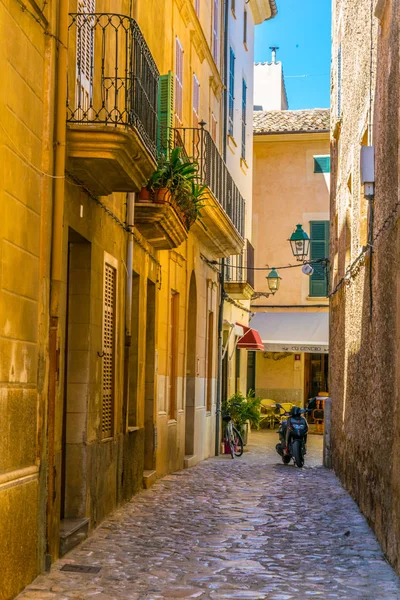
(179, 176)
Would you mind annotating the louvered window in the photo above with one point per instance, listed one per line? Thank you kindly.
(178, 83)
(231, 91)
(196, 101)
(85, 55)
(322, 164)
(319, 248)
(244, 109)
(215, 31)
(165, 112)
(107, 416)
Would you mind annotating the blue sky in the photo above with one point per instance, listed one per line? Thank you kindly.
(302, 30)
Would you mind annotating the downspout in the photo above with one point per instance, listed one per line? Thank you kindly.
(222, 274)
(130, 201)
(56, 262)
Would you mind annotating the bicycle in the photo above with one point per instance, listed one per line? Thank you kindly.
(232, 437)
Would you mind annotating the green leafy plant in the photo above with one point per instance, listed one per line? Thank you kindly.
(242, 409)
(179, 176)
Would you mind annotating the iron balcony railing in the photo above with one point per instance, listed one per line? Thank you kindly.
(113, 79)
(213, 172)
(240, 267)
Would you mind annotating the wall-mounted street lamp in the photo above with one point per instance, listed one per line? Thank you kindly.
(273, 278)
(300, 243)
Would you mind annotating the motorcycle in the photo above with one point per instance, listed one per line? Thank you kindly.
(293, 435)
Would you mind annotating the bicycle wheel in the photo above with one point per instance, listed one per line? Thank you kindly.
(238, 442)
(229, 439)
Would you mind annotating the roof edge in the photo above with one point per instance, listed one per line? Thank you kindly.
(291, 131)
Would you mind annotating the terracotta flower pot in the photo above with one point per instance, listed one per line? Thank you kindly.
(144, 195)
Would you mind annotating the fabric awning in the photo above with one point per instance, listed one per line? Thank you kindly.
(250, 340)
(293, 331)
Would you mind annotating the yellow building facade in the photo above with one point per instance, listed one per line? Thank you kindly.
(291, 185)
(109, 305)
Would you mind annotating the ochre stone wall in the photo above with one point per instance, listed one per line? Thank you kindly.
(364, 374)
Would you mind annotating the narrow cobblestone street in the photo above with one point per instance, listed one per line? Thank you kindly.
(249, 528)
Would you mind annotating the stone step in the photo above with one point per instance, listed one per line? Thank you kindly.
(72, 533)
(190, 460)
(149, 477)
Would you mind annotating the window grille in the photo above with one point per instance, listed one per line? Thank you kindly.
(339, 81)
(107, 416)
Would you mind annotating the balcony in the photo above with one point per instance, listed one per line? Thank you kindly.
(239, 274)
(221, 227)
(111, 103)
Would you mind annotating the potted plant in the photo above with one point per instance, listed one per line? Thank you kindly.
(243, 410)
(176, 181)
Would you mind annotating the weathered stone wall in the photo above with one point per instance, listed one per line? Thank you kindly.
(364, 313)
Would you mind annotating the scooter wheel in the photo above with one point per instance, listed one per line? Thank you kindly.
(286, 459)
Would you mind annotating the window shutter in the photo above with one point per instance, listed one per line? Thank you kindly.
(196, 101)
(84, 56)
(107, 413)
(178, 83)
(322, 164)
(231, 91)
(319, 248)
(215, 31)
(165, 112)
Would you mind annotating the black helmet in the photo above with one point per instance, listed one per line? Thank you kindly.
(295, 412)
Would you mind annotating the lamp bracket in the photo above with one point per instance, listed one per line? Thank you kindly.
(261, 295)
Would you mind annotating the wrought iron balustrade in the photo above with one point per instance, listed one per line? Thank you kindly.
(198, 144)
(113, 79)
(240, 267)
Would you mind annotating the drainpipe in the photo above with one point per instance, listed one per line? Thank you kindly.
(222, 274)
(130, 201)
(56, 259)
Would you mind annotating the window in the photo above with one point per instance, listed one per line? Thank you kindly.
(245, 28)
(231, 91)
(322, 164)
(237, 370)
(214, 127)
(215, 31)
(319, 248)
(244, 106)
(84, 55)
(178, 84)
(108, 391)
(339, 81)
(197, 7)
(165, 112)
(196, 101)
(173, 354)
(210, 359)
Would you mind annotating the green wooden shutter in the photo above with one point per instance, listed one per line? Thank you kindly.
(319, 248)
(165, 112)
(322, 164)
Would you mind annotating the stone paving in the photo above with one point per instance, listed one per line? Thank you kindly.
(250, 528)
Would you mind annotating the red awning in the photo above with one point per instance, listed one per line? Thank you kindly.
(250, 340)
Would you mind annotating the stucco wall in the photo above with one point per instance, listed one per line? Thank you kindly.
(364, 378)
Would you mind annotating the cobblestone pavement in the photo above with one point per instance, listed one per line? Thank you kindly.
(250, 528)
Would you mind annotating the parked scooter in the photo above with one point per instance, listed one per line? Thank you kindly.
(293, 434)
